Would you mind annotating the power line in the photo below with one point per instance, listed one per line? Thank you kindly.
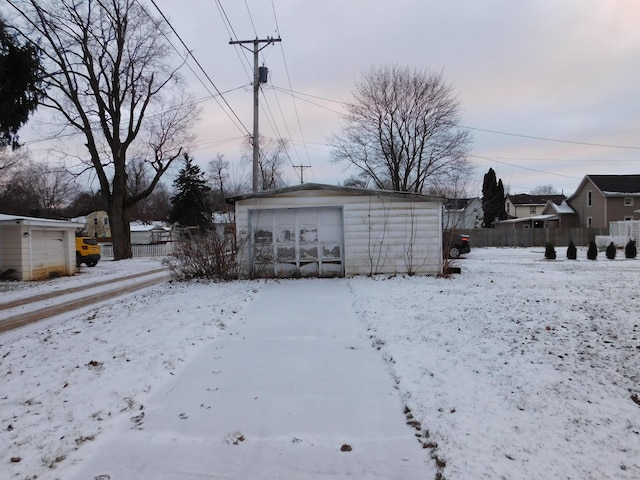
(546, 139)
(189, 53)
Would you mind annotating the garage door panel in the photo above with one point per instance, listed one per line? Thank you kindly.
(298, 241)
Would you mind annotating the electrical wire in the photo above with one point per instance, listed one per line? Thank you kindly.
(190, 53)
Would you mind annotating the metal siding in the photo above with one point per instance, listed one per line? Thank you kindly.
(375, 228)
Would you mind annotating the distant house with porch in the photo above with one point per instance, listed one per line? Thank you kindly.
(524, 205)
(602, 199)
(552, 216)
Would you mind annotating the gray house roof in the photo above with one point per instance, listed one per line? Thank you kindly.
(617, 184)
(416, 197)
(526, 199)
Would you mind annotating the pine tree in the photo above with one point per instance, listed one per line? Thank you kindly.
(550, 252)
(492, 199)
(572, 251)
(611, 251)
(592, 252)
(630, 250)
(20, 85)
(190, 204)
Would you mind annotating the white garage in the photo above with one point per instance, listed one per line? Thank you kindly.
(36, 248)
(328, 231)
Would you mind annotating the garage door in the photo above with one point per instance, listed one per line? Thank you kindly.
(297, 242)
(47, 253)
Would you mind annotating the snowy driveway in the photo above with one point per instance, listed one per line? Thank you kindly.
(280, 395)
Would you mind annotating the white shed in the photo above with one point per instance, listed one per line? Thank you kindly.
(36, 248)
(328, 231)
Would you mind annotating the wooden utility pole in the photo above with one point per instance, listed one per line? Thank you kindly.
(302, 167)
(256, 90)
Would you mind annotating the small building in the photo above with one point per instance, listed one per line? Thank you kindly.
(601, 199)
(36, 248)
(463, 213)
(148, 234)
(524, 205)
(327, 231)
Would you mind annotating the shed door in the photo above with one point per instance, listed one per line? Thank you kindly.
(297, 242)
(47, 253)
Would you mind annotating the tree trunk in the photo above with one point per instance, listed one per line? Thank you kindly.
(119, 221)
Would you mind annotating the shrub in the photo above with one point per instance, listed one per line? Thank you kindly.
(611, 251)
(207, 256)
(592, 252)
(550, 252)
(630, 250)
(572, 251)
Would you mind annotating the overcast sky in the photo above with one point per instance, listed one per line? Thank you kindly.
(567, 70)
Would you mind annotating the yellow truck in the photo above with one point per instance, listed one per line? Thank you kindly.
(87, 251)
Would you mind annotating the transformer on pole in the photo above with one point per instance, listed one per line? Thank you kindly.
(259, 76)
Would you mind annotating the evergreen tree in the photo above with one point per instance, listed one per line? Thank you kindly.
(550, 252)
(630, 250)
(492, 199)
(572, 251)
(611, 251)
(190, 204)
(20, 85)
(592, 252)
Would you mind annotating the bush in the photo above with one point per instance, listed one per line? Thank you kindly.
(207, 256)
(572, 251)
(630, 250)
(550, 252)
(611, 251)
(592, 252)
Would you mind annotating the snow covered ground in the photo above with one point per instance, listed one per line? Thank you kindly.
(519, 368)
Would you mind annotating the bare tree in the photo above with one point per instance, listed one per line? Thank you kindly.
(544, 190)
(106, 68)
(273, 153)
(38, 189)
(403, 130)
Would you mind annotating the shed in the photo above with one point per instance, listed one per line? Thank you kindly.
(36, 248)
(320, 230)
(147, 234)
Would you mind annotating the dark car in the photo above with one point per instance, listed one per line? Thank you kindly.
(455, 244)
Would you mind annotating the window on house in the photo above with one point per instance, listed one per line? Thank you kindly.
(627, 219)
(589, 198)
(106, 221)
(508, 208)
(532, 209)
(628, 201)
(589, 222)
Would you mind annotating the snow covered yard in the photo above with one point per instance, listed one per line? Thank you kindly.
(518, 368)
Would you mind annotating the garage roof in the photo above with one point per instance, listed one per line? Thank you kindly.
(351, 191)
(37, 222)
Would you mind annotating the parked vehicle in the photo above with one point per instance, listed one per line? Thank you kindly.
(455, 244)
(87, 251)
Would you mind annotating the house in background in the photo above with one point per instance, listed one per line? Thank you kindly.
(463, 213)
(552, 216)
(524, 205)
(328, 231)
(98, 225)
(36, 248)
(601, 199)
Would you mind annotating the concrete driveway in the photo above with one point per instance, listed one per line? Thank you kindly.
(293, 391)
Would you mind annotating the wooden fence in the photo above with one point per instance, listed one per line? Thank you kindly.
(531, 237)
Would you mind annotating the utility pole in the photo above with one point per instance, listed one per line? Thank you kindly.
(302, 167)
(257, 80)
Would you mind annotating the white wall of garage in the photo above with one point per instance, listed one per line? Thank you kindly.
(37, 248)
(382, 232)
